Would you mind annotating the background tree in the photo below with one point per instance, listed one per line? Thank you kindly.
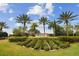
(43, 21)
(3, 25)
(23, 19)
(66, 17)
(18, 31)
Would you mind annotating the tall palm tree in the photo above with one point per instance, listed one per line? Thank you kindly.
(66, 17)
(3, 25)
(43, 21)
(33, 28)
(23, 19)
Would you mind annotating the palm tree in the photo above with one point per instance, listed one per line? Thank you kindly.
(3, 25)
(66, 17)
(33, 28)
(23, 19)
(43, 21)
(53, 24)
(34, 25)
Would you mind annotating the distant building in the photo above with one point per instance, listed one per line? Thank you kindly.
(42, 34)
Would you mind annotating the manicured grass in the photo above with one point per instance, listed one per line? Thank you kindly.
(11, 49)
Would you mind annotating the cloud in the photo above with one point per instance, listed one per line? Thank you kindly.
(10, 11)
(49, 7)
(41, 9)
(11, 18)
(3, 7)
(36, 10)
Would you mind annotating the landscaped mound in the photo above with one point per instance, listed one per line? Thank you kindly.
(42, 43)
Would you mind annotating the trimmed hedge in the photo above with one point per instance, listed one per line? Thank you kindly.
(17, 39)
(70, 39)
(46, 45)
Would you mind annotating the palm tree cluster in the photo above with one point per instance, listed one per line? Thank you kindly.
(65, 18)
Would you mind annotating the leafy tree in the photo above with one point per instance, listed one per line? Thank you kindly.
(66, 17)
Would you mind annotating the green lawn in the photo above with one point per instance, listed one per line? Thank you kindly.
(11, 49)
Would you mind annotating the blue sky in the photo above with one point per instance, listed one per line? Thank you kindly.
(8, 13)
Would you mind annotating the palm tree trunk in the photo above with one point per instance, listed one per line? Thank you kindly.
(44, 28)
(24, 28)
(67, 30)
(73, 30)
(54, 31)
(73, 33)
(65, 26)
(1, 29)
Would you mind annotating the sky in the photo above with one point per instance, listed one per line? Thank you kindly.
(9, 12)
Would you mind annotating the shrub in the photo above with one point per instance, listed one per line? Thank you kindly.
(38, 44)
(20, 34)
(17, 39)
(46, 46)
(42, 46)
(51, 43)
(61, 44)
(55, 47)
(70, 39)
(32, 43)
(64, 45)
(20, 43)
